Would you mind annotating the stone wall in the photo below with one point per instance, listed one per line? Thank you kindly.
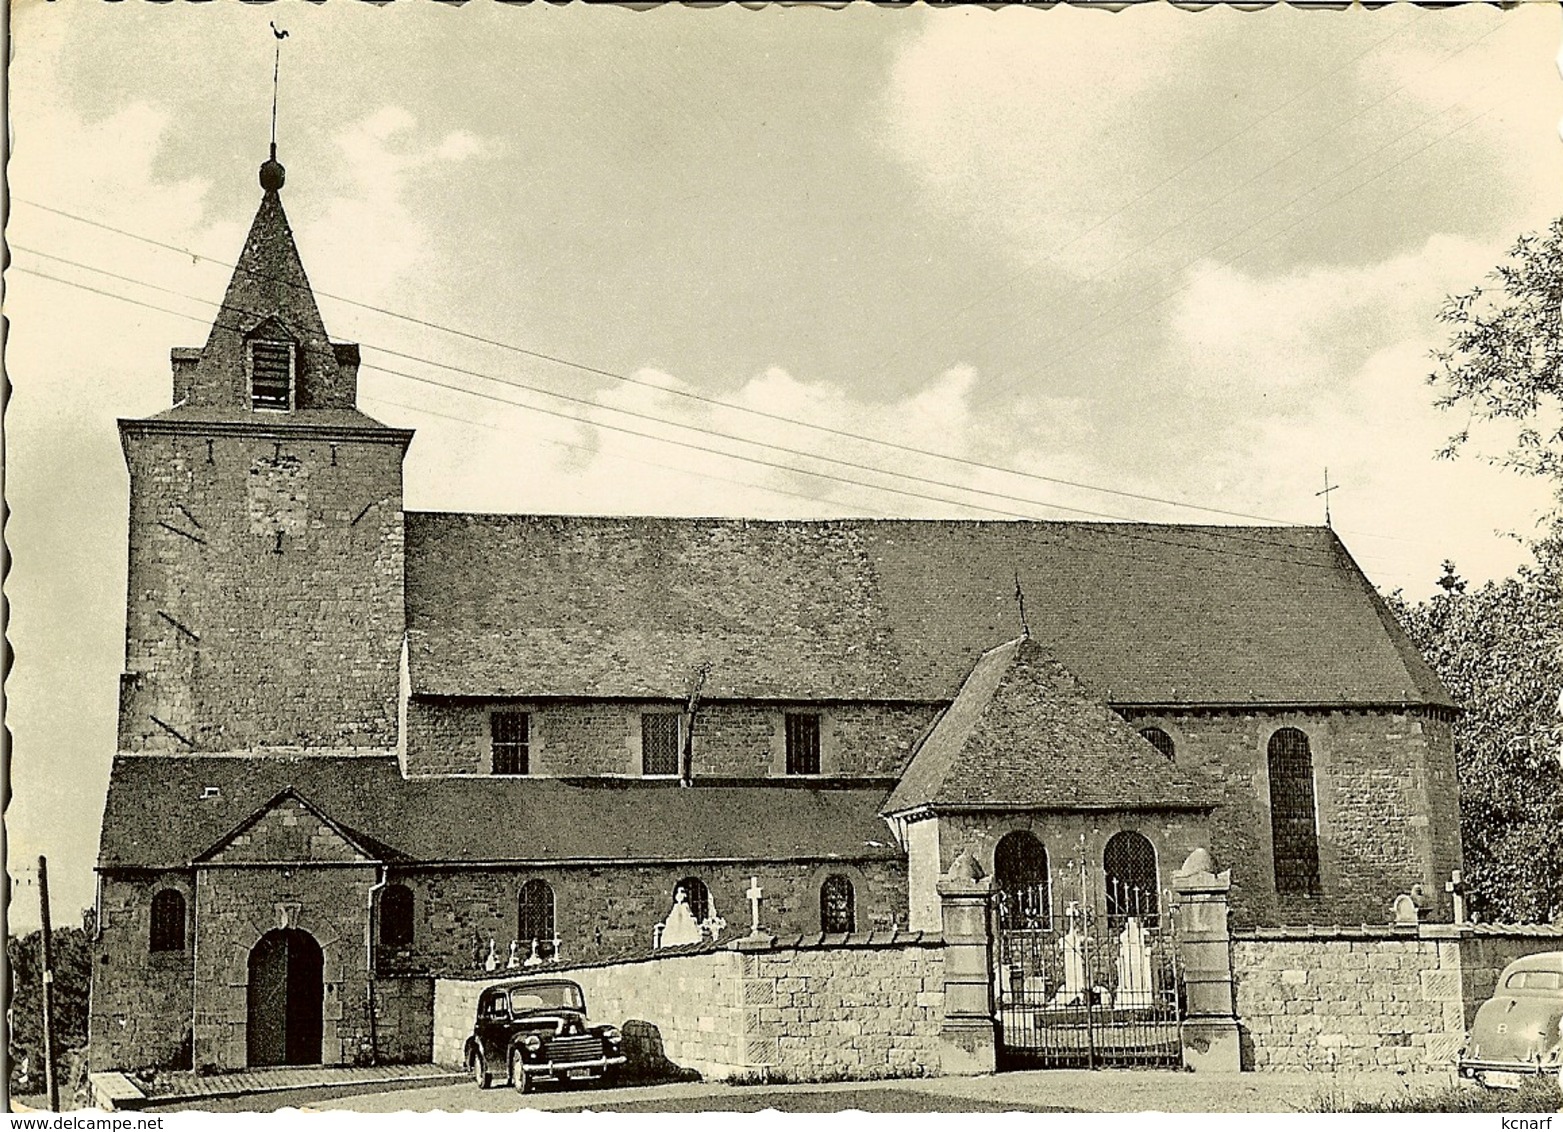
(609, 910)
(404, 1009)
(731, 740)
(1065, 837)
(140, 1007)
(860, 1007)
(265, 591)
(1369, 998)
(1386, 799)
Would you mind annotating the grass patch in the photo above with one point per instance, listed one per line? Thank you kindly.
(1536, 1095)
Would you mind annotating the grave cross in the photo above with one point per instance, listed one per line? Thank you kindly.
(1455, 887)
(754, 893)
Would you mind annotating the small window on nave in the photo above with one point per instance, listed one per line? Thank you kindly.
(659, 743)
(837, 904)
(802, 737)
(697, 896)
(535, 922)
(396, 920)
(510, 742)
(168, 921)
(1159, 739)
(1022, 880)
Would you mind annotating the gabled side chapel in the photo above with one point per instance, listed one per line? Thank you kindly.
(356, 741)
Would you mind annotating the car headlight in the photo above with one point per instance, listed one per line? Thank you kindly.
(611, 1033)
(533, 1043)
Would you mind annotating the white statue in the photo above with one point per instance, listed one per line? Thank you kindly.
(1076, 986)
(1135, 987)
(680, 927)
(492, 962)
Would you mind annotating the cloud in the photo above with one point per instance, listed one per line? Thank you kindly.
(1326, 367)
(369, 239)
(1027, 128)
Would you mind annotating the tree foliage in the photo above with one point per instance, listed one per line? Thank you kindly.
(1504, 361)
(72, 975)
(1496, 647)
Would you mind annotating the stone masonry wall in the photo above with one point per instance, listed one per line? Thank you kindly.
(1348, 1003)
(856, 1009)
(1065, 837)
(404, 1010)
(235, 907)
(140, 1010)
(1386, 800)
(731, 740)
(265, 604)
(605, 911)
(1369, 998)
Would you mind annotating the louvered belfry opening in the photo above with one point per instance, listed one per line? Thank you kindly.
(1294, 831)
(271, 374)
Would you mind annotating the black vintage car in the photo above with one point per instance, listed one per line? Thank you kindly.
(536, 1030)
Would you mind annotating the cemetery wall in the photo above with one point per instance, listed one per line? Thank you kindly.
(1369, 998)
(859, 1006)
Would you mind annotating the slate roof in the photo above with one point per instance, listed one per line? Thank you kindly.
(1023, 734)
(517, 605)
(484, 819)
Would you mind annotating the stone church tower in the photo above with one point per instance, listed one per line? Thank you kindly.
(265, 597)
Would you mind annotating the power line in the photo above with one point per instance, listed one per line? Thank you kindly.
(682, 393)
(591, 404)
(1109, 530)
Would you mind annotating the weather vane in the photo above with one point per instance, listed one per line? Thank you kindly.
(276, 67)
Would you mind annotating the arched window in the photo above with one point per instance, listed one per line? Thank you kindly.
(1021, 876)
(396, 916)
(535, 920)
(1159, 739)
(698, 896)
(1129, 863)
(837, 909)
(1294, 831)
(168, 921)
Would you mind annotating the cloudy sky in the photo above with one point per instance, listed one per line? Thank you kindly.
(663, 262)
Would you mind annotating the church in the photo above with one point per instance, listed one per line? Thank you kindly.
(357, 743)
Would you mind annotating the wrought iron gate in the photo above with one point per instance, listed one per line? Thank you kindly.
(1080, 990)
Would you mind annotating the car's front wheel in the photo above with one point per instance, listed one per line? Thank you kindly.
(479, 1068)
(520, 1080)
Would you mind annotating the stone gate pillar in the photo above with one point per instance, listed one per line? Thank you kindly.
(1210, 1034)
(968, 1040)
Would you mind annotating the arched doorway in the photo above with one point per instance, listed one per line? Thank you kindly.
(285, 999)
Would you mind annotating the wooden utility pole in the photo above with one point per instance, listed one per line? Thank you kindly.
(48, 986)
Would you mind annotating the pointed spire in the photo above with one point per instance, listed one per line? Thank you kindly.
(269, 297)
